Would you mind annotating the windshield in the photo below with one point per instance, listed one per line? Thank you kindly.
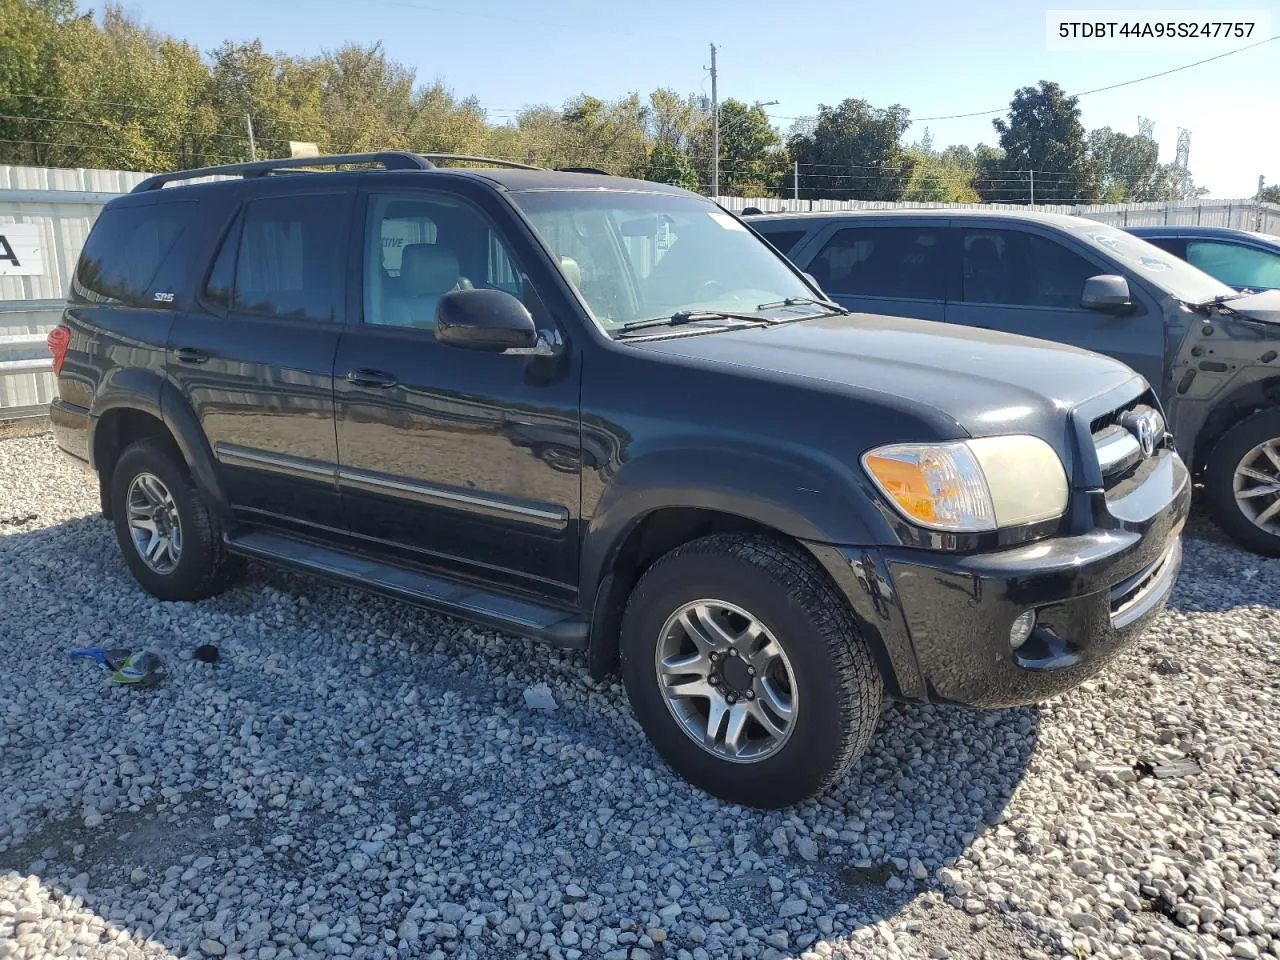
(642, 256)
(1174, 276)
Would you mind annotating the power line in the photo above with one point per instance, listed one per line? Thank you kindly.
(116, 126)
(115, 150)
(1113, 86)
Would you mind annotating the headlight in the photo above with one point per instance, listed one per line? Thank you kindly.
(971, 486)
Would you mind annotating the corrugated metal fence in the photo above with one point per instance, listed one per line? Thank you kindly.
(1244, 214)
(64, 203)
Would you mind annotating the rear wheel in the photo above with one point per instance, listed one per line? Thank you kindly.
(745, 669)
(169, 537)
(1242, 482)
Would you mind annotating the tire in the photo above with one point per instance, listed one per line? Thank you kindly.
(202, 567)
(1235, 446)
(835, 690)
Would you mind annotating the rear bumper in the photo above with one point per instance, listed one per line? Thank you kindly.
(71, 429)
(943, 621)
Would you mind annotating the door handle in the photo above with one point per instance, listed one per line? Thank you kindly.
(371, 378)
(191, 355)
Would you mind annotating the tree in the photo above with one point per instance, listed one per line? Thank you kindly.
(669, 164)
(1129, 168)
(284, 96)
(367, 99)
(751, 162)
(1042, 136)
(136, 99)
(32, 90)
(1271, 194)
(853, 152)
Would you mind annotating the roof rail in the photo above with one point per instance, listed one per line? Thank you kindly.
(493, 161)
(389, 159)
(581, 170)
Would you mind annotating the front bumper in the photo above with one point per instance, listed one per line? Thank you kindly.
(942, 621)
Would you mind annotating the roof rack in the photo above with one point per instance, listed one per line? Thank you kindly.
(492, 161)
(387, 159)
(581, 170)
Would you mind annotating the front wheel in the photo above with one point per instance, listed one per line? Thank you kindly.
(746, 671)
(1242, 482)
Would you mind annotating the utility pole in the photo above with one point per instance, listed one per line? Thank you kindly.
(253, 147)
(1257, 203)
(795, 181)
(1032, 175)
(715, 129)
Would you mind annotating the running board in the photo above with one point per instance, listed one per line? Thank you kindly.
(499, 611)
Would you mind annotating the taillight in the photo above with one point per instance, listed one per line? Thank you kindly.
(59, 340)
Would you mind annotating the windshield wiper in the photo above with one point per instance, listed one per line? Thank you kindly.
(681, 317)
(802, 301)
(1222, 298)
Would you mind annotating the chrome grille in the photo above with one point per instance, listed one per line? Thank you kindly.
(1125, 438)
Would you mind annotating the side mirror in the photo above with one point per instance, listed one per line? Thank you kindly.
(1108, 293)
(491, 320)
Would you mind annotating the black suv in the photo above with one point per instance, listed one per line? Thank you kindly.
(1209, 351)
(603, 413)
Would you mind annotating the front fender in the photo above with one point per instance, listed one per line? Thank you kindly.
(805, 498)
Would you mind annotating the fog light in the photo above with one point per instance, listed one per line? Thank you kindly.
(1020, 632)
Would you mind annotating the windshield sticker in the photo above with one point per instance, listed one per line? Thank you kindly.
(1120, 247)
(726, 221)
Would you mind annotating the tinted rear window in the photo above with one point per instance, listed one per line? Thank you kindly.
(897, 262)
(290, 259)
(124, 251)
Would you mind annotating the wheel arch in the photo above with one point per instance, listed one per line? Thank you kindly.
(661, 530)
(1245, 401)
(148, 407)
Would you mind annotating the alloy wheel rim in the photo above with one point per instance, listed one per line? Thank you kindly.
(1257, 486)
(154, 524)
(727, 681)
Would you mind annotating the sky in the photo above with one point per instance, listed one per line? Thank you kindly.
(934, 57)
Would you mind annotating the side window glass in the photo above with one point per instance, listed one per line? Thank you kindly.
(124, 252)
(897, 262)
(784, 240)
(420, 247)
(1012, 268)
(289, 263)
(994, 267)
(1168, 246)
(219, 287)
(1234, 265)
(1059, 274)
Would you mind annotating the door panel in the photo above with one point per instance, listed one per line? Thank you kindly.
(882, 267)
(256, 362)
(1025, 283)
(460, 458)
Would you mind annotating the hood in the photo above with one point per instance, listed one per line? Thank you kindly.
(1264, 306)
(987, 381)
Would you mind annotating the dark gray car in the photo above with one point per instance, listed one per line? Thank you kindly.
(1210, 350)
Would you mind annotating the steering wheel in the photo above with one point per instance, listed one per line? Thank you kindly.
(710, 289)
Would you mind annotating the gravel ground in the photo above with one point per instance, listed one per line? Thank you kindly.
(358, 777)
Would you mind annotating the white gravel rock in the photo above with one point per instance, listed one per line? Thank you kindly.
(360, 778)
